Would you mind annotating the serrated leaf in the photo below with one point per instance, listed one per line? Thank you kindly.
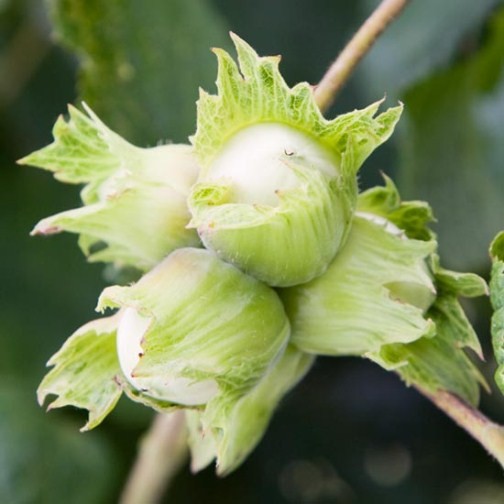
(497, 298)
(257, 130)
(255, 92)
(459, 284)
(140, 67)
(413, 218)
(85, 372)
(433, 360)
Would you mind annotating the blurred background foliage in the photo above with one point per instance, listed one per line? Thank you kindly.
(350, 433)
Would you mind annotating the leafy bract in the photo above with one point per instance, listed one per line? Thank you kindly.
(374, 292)
(412, 217)
(229, 429)
(497, 298)
(135, 209)
(85, 372)
(440, 362)
(255, 92)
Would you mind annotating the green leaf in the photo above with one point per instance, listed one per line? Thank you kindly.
(461, 284)
(255, 92)
(497, 298)
(85, 372)
(135, 209)
(386, 297)
(433, 364)
(61, 461)
(452, 149)
(419, 42)
(141, 67)
(84, 150)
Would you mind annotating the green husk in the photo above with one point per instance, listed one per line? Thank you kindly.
(292, 240)
(135, 210)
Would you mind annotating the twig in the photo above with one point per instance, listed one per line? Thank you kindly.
(359, 45)
(162, 451)
(489, 434)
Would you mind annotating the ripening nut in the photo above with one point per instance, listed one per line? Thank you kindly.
(195, 328)
(277, 187)
(135, 200)
(376, 291)
(272, 204)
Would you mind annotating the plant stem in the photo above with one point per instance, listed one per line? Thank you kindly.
(162, 451)
(355, 50)
(489, 434)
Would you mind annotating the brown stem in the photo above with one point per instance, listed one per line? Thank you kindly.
(359, 45)
(162, 451)
(489, 434)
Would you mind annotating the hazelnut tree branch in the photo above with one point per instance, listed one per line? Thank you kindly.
(339, 72)
(489, 434)
(163, 451)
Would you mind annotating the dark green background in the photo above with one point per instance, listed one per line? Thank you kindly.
(342, 434)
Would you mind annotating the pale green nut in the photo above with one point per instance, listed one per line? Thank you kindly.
(195, 329)
(135, 200)
(277, 187)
